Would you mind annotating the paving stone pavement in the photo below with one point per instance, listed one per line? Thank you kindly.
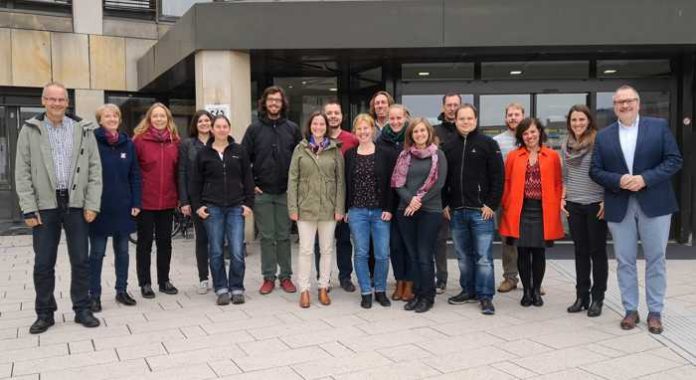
(188, 336)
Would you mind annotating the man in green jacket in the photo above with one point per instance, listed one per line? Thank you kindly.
(59, 184)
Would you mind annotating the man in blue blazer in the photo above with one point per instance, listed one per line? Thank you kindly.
(634, 160)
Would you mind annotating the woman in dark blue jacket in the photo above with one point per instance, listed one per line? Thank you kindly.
(120, 202)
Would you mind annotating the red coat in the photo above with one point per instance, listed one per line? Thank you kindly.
(551, 190)
(158, 158)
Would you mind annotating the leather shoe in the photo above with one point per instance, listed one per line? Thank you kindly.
(125, 299)
(304, 299)
(595, 309)
(366, 301)
(580, 304)
(507, 285)
(324, 297)
(86, 318)
(655, 324)
(147, 292)
(95, 305)
(526, 300)
(411, 305)
(168, 288)
(347, 285)
(423, 306)
(536, 298)
(630, 321)
(41, 324)
(287, 285)
(382, 299)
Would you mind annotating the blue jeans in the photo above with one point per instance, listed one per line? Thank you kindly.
(97, 251)
(46, 237)
(473, 242)
(365, 223)
(653, 233)
(226, 222)
(420, 238)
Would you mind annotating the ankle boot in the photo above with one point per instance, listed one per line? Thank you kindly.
(536, 298)
(580, 304)
(366, 301)
(595, 309)
(324, 296)
(382, 299)
(410, 305)
(304, 299)
(408, 291)
(399, 291)
(526, 300)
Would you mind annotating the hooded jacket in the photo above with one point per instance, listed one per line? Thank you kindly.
(121, 176)
(225, 182)
(35, 178)
(158, 159)
(270, 144)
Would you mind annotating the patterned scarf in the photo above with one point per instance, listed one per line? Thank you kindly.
(404, 162)
(318, 148)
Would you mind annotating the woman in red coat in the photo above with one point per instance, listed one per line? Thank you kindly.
(157, 145)
(532, 205)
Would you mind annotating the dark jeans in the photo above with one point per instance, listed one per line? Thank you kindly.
(159, 224)
(201, 247)
(441, 252)
(401, 262)
(590, 237)
(46, 237)
(97, 251)
(420, 238)
(344, 252)
(226, 222)
(531, 262)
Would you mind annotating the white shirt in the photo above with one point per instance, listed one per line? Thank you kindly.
(628, 137)
(507, 142)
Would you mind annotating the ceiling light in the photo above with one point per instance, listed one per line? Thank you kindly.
(516, 72)
(423, 73)
(304, 82)
(333, 89)
(609, 71)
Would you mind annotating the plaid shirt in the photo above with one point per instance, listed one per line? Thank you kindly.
(61, 139)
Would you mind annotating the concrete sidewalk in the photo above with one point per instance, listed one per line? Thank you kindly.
(187, 336)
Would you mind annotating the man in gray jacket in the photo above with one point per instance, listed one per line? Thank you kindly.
(59, 185)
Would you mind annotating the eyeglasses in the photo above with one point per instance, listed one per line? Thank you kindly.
(625, 102)
(55, 100)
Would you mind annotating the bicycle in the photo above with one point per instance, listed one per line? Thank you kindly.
(180, 224)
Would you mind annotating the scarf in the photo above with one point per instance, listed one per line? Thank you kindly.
(159, 135)
(394, 136)
(573, 151)
(111, 137)
(318, 148)
(404, 162)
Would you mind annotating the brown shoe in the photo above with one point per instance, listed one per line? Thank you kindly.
(399, 291)
(655, 324)
(408, 291)
(324, 297)
(287, 285)
(267, 286)
(630, 321)
(507, 285)
(304, 299)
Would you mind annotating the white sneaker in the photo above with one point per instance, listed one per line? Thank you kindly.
(203, 287)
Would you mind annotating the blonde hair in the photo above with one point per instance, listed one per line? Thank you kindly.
(397, 106)
(145, 124)
(516, 105)
(363, 117)
(107, 107)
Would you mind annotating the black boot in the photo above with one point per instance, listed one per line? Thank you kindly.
(536, 298)
(382, 299)
(366, 301)
(580, 304)
(95, 304)
(526, 300)
(595, 309)
(410, 305)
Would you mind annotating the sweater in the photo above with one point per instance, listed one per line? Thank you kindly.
(417, 174)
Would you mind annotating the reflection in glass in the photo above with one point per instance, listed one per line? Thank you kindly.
(652, 103)
(643, 68)
(492, 111)
(429, 106)
(437, 71)
(133, 109)
(535, 70)
(552, 110)
(307, 94)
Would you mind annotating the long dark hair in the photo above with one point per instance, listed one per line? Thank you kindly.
(307, 133)
(591, 130)
(193, 128)
(261, 107)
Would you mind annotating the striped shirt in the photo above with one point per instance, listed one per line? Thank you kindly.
(580, 188)
(61, 140)
(507, 142)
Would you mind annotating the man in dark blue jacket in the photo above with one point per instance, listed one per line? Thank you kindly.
(634, 159)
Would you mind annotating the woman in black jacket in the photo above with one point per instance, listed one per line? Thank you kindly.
(199, 133)
(222, 193)
(369, 201)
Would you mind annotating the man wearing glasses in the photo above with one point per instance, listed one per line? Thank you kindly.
(634, 159)
(59, 185)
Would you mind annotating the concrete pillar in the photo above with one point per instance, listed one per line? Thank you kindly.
(223, 78)
(88, 16)
(87, 102)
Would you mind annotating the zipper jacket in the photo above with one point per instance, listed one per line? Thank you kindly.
(475, 177)
(158, 159)
(222, 182)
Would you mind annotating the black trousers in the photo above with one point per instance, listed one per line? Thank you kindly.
(159, 224)
(531, 263)
(201, 247)
(589, 234)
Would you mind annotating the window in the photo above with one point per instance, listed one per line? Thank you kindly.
(58, 6)
(652, 103)
(143, 9)
(429, 106)
(552, 109)
(177, 8)
(307, 94)
(492, 111)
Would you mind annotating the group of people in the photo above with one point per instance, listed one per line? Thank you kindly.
(395, 189)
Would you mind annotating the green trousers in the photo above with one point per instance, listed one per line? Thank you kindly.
(273, 224)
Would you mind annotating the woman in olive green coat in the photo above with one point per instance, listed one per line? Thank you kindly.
(316, 193)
